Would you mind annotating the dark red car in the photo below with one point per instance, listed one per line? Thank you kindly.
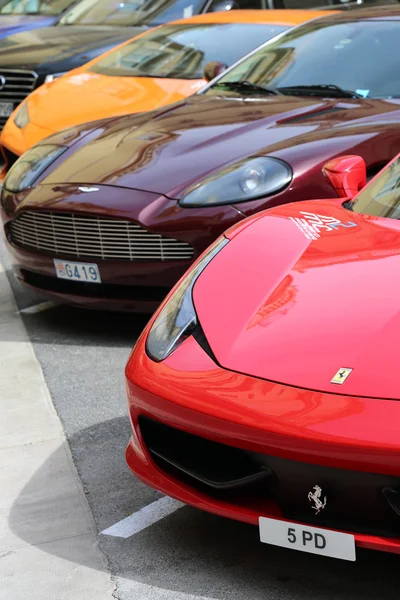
(111, 213)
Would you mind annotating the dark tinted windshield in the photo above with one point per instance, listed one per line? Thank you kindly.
(381, 197)
(181, 51)
(130, 12)
(359, 56)
(34, 7)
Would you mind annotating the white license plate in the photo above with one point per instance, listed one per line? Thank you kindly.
(6, 109)
(307, 539)
(77, 271)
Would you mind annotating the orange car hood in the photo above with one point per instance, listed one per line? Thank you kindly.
(89, 96)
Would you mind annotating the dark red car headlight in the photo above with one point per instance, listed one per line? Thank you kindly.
(246, 180)
(31, 165)
(178, 319)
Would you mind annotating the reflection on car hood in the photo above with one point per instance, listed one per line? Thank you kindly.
(60, 48)
(88, 96)
(167, 150)
(313, 304)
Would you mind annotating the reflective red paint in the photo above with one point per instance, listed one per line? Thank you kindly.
(190, 392)
(284, 306)
(347, 175)
(301, 308)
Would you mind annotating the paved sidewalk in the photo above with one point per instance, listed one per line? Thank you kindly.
(48, 547)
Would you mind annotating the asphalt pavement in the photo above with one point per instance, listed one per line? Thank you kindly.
(188, 554)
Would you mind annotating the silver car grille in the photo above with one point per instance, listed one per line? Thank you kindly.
(15, 86)
(92, 237)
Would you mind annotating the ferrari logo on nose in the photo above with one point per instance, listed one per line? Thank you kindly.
(316, 497)
(341, 376)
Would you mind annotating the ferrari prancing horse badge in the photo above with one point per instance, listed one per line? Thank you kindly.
(316, 497)
(341, 376)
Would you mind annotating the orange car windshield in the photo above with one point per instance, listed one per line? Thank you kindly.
(181, 51)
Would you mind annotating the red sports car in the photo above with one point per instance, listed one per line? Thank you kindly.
(266, 387)
(110, 214)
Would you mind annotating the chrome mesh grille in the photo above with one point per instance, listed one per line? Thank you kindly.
(16, 85)
(83, 236)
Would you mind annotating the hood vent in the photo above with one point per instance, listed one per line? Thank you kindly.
(308, 116)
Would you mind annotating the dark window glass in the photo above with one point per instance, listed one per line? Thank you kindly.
(130, 12)
(248, 4)
(361, 56)
(34, 7)
(306, 3)
(238, 4)
(181, 51)
(381, 197)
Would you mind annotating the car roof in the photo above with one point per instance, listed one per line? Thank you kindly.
(377, 13)
(276, 17)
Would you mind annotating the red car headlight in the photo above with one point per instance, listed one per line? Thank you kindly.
(178, 319)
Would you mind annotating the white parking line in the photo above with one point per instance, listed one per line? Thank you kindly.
(37, 308)
(143, 518)
(48, 544)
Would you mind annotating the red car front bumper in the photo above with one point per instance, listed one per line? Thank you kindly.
(189, 392)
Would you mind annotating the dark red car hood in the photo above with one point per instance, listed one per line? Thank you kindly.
(281, 306)
(165, 151)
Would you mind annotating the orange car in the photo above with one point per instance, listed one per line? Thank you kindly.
(156, 68)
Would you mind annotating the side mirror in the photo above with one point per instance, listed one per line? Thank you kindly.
(223, 5)
(213, 69)
(346, 174)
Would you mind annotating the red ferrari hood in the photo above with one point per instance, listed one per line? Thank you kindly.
(165, 151)
(304, 291)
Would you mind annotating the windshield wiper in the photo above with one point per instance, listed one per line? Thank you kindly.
(328, 89)
(246, 86)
